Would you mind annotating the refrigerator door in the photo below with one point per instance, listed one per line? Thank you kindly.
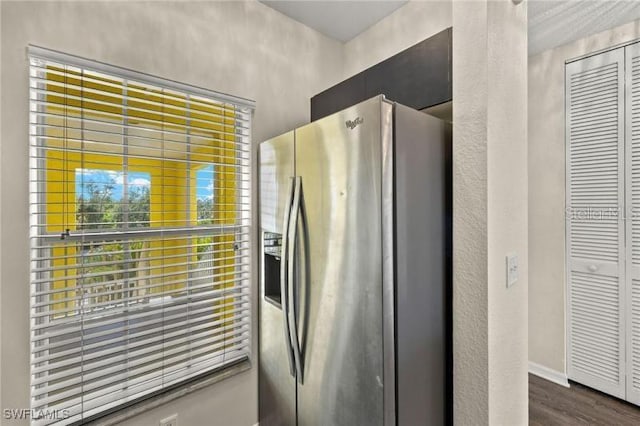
(277, 388)
(339, 291)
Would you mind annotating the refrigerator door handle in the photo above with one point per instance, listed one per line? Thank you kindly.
(293, 236)
(284, 275)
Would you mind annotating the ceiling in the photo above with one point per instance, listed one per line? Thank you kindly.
(551, 22)
(341, 20)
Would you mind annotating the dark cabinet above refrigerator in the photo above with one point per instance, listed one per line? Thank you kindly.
(418, 77)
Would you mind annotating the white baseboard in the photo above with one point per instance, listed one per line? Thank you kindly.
(549, 374)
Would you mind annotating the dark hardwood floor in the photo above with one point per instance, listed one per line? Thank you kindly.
(551, 404)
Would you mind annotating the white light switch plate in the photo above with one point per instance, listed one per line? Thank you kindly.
(170, 421)
(512, 270)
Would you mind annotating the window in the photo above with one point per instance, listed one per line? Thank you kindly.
(102, 198)
(140, 233)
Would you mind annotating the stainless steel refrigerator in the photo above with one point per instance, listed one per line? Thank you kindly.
(353, 212)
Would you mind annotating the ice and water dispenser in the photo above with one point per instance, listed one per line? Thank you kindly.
(272, 244)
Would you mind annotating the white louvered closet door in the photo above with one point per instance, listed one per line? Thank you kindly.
(595, 227)
(632, 145)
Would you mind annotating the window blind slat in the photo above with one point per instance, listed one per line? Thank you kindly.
(180, 109)
(152, 365)
(192, 265)
(95, 328)
(115, 86)
(174, 293)
(136, 332)
(198, 139)
(241, 243)
(140, 232)
(152, 384)
(121, 360)
(167, 233)
(97, 106)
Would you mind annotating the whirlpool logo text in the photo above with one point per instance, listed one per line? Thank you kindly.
(351, 124)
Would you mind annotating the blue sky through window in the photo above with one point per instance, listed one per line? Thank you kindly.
(101, 178)
(204, 183)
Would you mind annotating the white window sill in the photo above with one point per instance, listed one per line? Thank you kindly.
(152, 402)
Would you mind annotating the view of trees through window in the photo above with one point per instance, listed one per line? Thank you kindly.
(104, 199)
(204, 193)
(204, 203)
(109, 199)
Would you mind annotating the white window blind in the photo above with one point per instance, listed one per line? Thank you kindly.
(140, 233)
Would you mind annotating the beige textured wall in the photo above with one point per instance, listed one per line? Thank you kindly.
(1, 333)
(507, 211)
(470, 216)
(547, 193)
(410, 24)
(490, 212)
(242, 48)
